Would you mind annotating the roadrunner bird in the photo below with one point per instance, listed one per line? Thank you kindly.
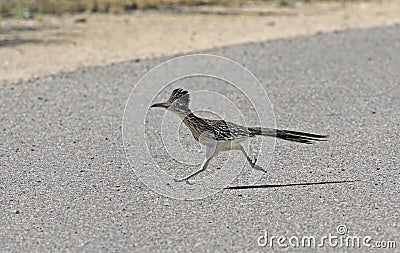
(220, 135)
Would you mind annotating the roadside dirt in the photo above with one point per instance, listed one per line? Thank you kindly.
(30, 48)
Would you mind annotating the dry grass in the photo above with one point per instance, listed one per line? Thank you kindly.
(20, 7)
(25, 8)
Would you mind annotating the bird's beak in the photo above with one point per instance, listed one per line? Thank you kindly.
(162, 105)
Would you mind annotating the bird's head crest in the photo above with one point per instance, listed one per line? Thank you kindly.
(179, 95)
(178, 102)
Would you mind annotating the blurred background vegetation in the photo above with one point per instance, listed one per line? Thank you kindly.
(28, 8)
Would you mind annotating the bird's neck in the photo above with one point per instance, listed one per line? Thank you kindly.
(192, 122)
(189, 116)
(186, 113)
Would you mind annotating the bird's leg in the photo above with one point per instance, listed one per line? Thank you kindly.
(203, 167)
(210, 152)
(252, 163)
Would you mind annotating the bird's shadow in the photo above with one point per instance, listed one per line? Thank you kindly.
(244, 187)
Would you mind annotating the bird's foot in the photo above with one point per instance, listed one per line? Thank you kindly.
(186, 180)
(256, 167)
(253, 163)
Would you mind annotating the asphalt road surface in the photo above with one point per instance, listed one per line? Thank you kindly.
(66, 185)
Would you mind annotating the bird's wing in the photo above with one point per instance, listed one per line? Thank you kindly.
(227, 131)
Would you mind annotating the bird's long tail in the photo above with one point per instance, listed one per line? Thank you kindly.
(288, 135)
